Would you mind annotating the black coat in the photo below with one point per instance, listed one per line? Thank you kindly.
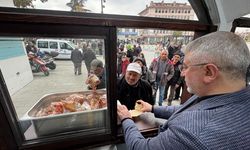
(128, 95)
(76, 56)
(176, 79)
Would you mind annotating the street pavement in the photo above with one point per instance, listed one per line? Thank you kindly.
(60, 80)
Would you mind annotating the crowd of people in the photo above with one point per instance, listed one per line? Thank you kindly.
(163, 72)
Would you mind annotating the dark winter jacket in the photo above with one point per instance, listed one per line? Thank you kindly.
(76, 56)
(176, 79)
(128, 95)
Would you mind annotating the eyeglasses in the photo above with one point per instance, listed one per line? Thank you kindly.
(185, 67)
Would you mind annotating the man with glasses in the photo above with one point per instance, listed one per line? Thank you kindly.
(217, 116)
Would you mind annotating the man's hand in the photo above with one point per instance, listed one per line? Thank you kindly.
(123, 112)
(146, 107)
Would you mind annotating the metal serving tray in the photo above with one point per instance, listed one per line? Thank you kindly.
(83, 120)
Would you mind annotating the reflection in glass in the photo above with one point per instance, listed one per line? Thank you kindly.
(47, 81)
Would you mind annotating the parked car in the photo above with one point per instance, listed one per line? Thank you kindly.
(63, 47)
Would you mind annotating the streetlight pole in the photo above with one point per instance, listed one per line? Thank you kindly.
(102, 6)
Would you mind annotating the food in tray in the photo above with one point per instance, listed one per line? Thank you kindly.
(74, 103)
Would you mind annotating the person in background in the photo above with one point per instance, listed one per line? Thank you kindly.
(176, 80)
(97, 69)
(76, 58)
(130, 52)
(141, 55)
(88, 56)
(137, 50)
(162, 73)
(31, 48)
(100, 46)
(146, 73)
(124, 64)
(84, 47)
(173, 48)
(217, 116)
(132, 88)
(120, 53)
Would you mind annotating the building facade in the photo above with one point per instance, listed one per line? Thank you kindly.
(167, 10)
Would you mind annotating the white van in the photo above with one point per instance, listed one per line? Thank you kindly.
(63, 47)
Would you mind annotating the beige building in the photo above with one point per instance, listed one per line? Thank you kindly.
(167, 10)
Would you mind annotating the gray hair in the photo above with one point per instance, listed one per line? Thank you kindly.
(164, 50)
(225, 49)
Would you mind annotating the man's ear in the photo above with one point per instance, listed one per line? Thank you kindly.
(211, 73)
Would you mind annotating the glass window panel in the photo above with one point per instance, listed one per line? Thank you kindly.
(49, 94)
(53, 45)
(147, 44)
(146, 8)
(42, 44)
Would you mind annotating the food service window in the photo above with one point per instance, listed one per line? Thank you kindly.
(54, 94)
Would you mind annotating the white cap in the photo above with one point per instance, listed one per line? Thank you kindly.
(134, 67)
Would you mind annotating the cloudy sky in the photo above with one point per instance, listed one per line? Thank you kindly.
(125, 7)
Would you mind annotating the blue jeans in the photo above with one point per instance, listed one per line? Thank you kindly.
(161, 93)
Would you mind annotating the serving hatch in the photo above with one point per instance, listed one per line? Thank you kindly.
(90, 120)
